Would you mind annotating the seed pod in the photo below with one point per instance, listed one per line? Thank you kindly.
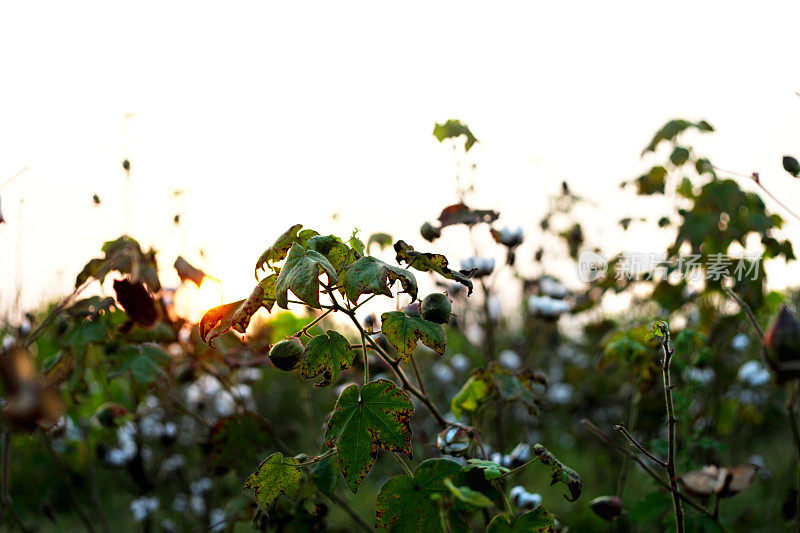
(782, 346)
(607, 507)
(436, 307)
(287, 353)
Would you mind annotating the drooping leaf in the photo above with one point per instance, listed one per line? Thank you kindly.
(370, 275)
(473, 393)
(186, 271)
(277, 252)
(275, 476)
(535, 521)
(679, 156)
(237, 315)
(356, 243)
(425, 262)
(300, 274)
(561, 473)
(366, 421)
(454, 128)
(137, 302)
(404, 504)
(467, 495)
(383, 240)
(672, 129)
(403, 331)
(491, 470)
(327, 354)
(462, 214)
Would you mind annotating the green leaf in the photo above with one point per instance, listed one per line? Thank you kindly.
(404, 504)
(403, 332)
(356, 243)
(454, 128)
(513, 387)
(791, 165)
(363, 423)
(143, 361)
(425, 262)
(658, 329)
(277, 252)
(370, 275)
(679, 156)
(467, 495)
(327, 354)
(323, 475)
(491, 470)
(275, 476)
(537, 520)
(561, 474)
(383, 240)
(300, 274)
(338, 253)
(237, 315)
(472, 394)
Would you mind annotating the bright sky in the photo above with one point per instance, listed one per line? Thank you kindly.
(268, 114)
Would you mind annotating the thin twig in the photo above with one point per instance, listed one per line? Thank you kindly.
(671, 420)
(621, 429)
(418, 375)
(517, 469)
(747, 310)
(757, 180)
(402, 462)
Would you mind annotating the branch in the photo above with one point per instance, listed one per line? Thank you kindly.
(621, 429)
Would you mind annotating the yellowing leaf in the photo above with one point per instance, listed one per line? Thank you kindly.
(275, 476)
(472, 394)
(425, 262)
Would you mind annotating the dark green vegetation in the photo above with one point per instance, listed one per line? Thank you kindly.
(384, 404)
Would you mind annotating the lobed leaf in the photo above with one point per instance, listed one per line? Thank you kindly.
(370, 275)
(403, 331)
(277, 252)
(327, 354)
(366, 421)
(300, 274)
(275, 476)
(454, 128)
(404, 504)
(237, 315)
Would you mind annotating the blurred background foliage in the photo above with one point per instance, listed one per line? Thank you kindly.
(126, 420)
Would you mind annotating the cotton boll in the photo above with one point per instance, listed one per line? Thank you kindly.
(524, 499)
(180, 503)
(703, 376)
(197, 504)
(144, 507)
(224, 404)
(553, 288)
(740, 342)
(560, 393)
(201, 486)
(545, 306)
(216, 520)
(460, 362)
(753, 374)
(510, 359)
(442, 372)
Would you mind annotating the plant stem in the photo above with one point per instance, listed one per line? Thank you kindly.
(341, 502)
(304, 330)
(639, 447)
(608, 441)
(72, 496)
(502, 492)
(402, 462)
(517, 469)
(747, 310)
(366, 358)
(418, 375)
(671, 420)
(791, 405)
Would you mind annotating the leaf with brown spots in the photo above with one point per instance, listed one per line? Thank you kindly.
(327, 354)
(275, 476)
(277, 252)
(425, 262)
(403, 331)
(536, 521)
(561, 473)
(404, 504)
(369, 275)
(363, 423)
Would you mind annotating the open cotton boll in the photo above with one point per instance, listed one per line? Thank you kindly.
(753, 374)
(546, 306)
(144, 507)
(553, 288)
(740, 342)
(510, 359)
